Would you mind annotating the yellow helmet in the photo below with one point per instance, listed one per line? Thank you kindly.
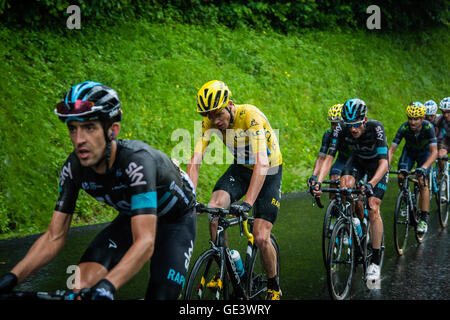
(416, 110)
(213, 95)
(334, 113)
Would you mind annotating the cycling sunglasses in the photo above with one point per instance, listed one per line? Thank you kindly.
(354, 125)
(80, 108)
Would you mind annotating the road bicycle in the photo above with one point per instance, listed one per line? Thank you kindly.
(443, 194)
(329, 219)
(349, 244)
(214, 275)
(406, 213)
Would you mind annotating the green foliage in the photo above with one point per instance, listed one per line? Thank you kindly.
(157, 70)
(286, 16)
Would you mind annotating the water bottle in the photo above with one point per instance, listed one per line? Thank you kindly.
(357, 225)
(237, 262)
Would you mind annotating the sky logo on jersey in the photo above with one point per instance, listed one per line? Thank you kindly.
(137, 177)
(66, 172)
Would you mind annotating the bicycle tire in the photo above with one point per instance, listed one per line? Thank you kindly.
(341, 253)
(205, 268)
(329, 220)
(442, 202)
(256, 279)
(401, 223)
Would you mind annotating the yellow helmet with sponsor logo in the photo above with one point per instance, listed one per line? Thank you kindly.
(416, 109)
(335, 113)
(213, 95)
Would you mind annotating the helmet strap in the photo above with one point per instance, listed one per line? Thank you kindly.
(231, 115)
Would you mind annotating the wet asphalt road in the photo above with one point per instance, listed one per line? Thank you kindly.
(423, 272)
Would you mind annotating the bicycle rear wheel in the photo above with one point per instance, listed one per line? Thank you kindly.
(442, 201)
(340, 261)
(329, 220)
(401, 223)
(205, 282)
(256, 281)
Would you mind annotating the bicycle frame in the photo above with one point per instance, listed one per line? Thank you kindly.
(223, 252)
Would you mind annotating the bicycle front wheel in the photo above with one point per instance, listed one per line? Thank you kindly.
(328, 222)
(205, 281)
(442, 201)
(401, 223)
(340, 261)
(256, 275)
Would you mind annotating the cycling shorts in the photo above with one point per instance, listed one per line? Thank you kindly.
(409, 157)
(236, 180)
(174, 245)
(358, 167)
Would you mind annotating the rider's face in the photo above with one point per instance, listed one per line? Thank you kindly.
(446, 115)
(220, 119)
(88, 140)
(415, 123)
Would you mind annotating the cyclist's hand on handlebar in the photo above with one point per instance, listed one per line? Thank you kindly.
(238, 209)
(198, 207)
(315, 189)
(367, 189)
(7, 282)
(103, 290)
(312, 180)
(420, 172)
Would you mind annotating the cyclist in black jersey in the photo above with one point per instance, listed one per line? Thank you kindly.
(420, 147)
(154, 198)
(443, 135)
(334, 116)
(431, 114)
(367, 142)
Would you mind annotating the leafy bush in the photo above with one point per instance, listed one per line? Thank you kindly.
(286, 16)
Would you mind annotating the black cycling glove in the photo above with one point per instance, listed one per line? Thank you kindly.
(238, 209)
(103, 290)
(7, 282)
(368, 190)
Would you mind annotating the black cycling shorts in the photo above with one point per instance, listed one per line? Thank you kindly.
(236, 180)
(174, 245)
(358, 167)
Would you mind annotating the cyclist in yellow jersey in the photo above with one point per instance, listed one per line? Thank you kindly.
(256, 172)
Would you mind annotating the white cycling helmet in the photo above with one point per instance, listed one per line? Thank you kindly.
(445, 104)
(431, 107)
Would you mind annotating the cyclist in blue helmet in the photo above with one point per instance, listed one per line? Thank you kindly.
(154, 198)
(368, 144)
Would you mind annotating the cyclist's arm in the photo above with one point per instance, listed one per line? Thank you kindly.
(326, 167)
(318, 164)
(432, 157)
(193, 167)
(391, 152)
(258, 177)
(144, 230)
(46, 247)
(382, 154)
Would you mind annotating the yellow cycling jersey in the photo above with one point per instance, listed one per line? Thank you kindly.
(250, 133)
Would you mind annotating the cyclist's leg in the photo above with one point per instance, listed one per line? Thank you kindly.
(348, 180)
(231, 186)
(170, 261)
(405, 162)
(336, 171)
(376, 222)
(265, 211)
(104, 252)
(424, 190)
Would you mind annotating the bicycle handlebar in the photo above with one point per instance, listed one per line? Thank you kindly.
(221, 212)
